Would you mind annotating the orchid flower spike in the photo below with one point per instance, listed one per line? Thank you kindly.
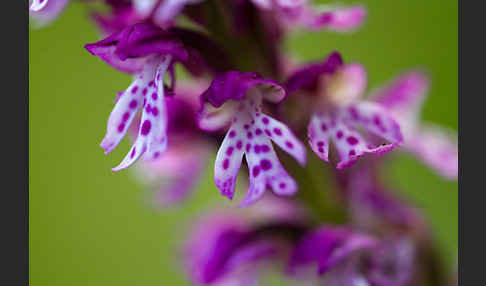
(356, 127)
(251, 133)
(149, 52)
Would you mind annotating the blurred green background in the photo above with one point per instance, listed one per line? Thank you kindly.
(89, 226)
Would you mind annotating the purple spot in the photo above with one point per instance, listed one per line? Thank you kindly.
(133, 152)
(352, 140)
(289, 144)
(225, 164)
(133, 103)
(148, 108)
(324, 127)
(265, 164)
(151, 83)
(246, 126)
(277, 131)
(232, 134)
(248, 147)
(146, 127)
(125, 116)
(156, 154)
(144, 91)
(320, 143)
(154, 96)
(282, 185)
(144, 101)
(258, 131)
(268, 133)
(134, 89)
(256, 148)
(252, 122)
(249, 135)
(265, 148)
(376, 120)
(321, 149)
(256, 171)
(229, 151)
(239, 144)
(265, 120)
(352, 153)
(155, 111)
(121, 127)
(339, 134)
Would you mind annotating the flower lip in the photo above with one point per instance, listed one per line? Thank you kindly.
(233, 85)
(141, 40)
(308, 76)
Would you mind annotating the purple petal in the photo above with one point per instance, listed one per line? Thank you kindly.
(376, 120)
(308, 76)
(404, 94)
(284, 138)
(319, 131)
(393, 263)
(328, 246)
(437, 148)
(212, 243)
(228, 162)
(124, 49)
(124, 112)
(350, 144)
(265, 170)
(152, 135)
(234, 85)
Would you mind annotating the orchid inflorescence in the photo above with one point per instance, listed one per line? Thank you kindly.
(244, 95)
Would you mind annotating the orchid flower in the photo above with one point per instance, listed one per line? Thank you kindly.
(237, 247)
(436, 146)
(224, 249)
(150, 60)
(251, 133)
(347, 257)
(338, 114)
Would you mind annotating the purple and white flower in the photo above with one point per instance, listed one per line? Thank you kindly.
(347, 257)
(338, 115)
(226, 249)
(148, 52)
(240, 99)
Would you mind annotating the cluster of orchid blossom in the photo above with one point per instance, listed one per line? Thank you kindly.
(243, 93)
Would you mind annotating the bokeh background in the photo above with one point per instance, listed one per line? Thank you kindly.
(89, 226)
